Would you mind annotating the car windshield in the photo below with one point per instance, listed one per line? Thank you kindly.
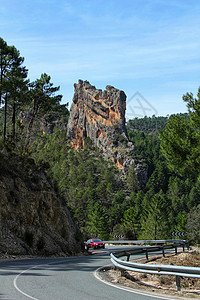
(97, 240)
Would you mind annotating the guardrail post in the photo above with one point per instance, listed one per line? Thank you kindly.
(183, 247)
(178, 283)
(175, 249)
(128, 257)
(187, 245)
(147, 256)
(163, 251)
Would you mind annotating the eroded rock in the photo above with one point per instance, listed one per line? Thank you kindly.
(33, 219)
(97, 114)
(100, 116)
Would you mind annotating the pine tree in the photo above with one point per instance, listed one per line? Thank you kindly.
(12, 81)
(43, 100)
(154, 225)
(96, 221)
(180, 141)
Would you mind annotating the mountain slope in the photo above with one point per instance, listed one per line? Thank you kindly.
(33, 219)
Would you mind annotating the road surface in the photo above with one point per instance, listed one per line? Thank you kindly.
(71, 278)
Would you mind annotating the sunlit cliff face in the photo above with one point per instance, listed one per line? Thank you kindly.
(94, 111)
(98, 115)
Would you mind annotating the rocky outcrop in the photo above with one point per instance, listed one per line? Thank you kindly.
(33, 219)
(97, 115)
(100, 116)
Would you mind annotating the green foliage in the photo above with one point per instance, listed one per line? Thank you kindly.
(86, 181)
(147, 147)
(180, 141)
(159, 178)
(180, 193)
(102, 200)
(104, 203)
(193, 225)
(180, 144)
(96, 224)
(149, 125)
(13, 86)
(42, 101)
(193, 105)
(132, 180)
(130, 223)
(154, 224)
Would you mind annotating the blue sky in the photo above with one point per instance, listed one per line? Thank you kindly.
(148, 48)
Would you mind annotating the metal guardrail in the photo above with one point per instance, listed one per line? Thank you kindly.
(178, 271)
(140, 242)
(147, 249)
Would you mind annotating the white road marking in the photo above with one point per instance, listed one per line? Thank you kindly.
(15, 279)
(18, 289)
(96, 276)
(126, 288)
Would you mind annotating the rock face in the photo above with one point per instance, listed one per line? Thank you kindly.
(100, 116)
(33, 220)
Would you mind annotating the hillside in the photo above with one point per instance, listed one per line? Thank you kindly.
(33, 218)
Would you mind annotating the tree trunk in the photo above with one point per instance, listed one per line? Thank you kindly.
(1, 76)
(30, 125)
(13, 120)
(155, 228)
(29, 129)
(5, 119)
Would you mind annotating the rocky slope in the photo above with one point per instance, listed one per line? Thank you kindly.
(33, 220)
(100, 116)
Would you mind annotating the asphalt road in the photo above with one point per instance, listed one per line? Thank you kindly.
(71, 278)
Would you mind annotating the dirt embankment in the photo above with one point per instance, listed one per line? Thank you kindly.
(165, 284)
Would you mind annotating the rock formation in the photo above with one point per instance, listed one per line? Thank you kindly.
(33, 219)
(100, 116)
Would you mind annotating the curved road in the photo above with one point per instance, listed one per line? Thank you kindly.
(71, 278)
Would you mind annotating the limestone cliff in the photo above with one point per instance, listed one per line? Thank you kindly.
(33, 219)
(94, 113)
(100, 116)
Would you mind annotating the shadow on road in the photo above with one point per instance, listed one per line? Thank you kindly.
(3, 297)
(37, 266)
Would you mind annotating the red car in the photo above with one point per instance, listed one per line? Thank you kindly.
(95, 243)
